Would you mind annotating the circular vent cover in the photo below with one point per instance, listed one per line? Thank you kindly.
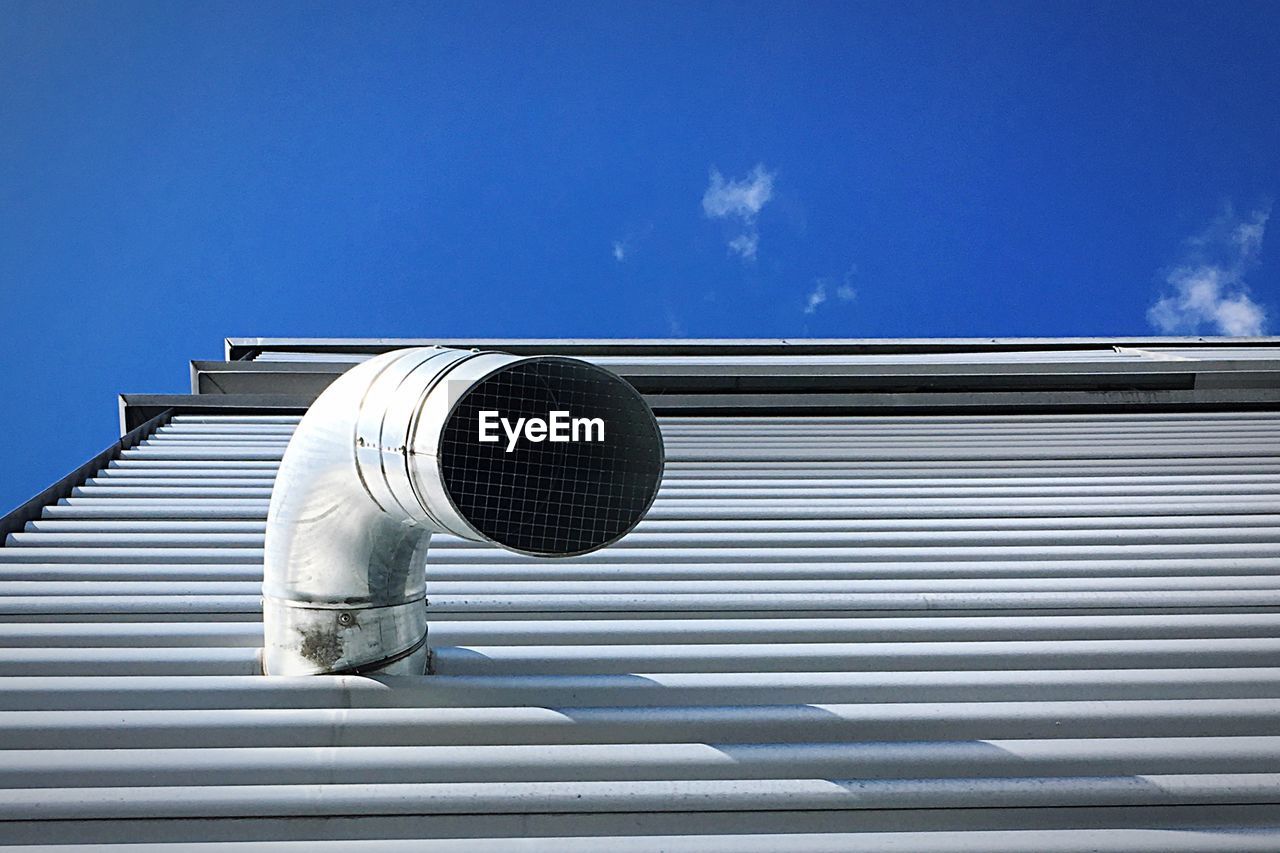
(544, 497)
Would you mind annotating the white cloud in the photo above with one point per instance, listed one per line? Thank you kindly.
(740, 200)
(1248, 235)
(1208, 287)
(1240, 316)
(625, 246)
(745, 245)
(817, 296)
(844, 291)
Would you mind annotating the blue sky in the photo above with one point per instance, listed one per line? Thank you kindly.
(173, 173)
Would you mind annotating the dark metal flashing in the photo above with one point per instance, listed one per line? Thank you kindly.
(684, 384)
(683, 376)
(138, 409)
(309, 378)
(262, 377)
(16, 519)
(985, 403)
(239, 349)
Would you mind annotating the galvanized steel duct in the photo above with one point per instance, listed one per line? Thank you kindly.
(389, 454)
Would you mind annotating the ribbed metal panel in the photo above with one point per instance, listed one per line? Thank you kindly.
(976, 633)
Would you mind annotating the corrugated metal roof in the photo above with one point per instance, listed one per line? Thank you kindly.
(916, 633)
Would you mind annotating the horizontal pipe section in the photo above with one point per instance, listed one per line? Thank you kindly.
(864, 490)
(79, 699)
(784, 657)
(620, 659)
(1048, 467)
(683, 631)
(639, 796)
(442, 590)
(50, 608)
(1264, 517)
(476, 573)
(673, 513)
(506, 764)
(620, 555)
(818, 453)
(870, 536)
(1207, 837)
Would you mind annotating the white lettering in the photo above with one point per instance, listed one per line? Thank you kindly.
(559, 426)
(486, 425)
(589, 424)
(512, 434)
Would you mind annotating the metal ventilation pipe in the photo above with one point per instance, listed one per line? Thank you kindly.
(421, 441)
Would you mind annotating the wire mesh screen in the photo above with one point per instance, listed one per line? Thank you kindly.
(552, 498)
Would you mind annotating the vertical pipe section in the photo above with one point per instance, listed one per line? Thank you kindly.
(346, 542)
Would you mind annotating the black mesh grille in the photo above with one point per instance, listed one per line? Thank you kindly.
(549, 498)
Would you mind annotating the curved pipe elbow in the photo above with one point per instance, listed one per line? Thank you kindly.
(394, 451)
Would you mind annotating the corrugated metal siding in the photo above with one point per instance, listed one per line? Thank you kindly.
(893, 633)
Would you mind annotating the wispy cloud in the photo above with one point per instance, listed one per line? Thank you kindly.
(844, 291)
(1208, 290)
(740, 201)
(817, 296)
(743, 198)
(625, 246)
(745, 245)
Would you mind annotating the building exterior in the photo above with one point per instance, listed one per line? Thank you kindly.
(920, 595)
